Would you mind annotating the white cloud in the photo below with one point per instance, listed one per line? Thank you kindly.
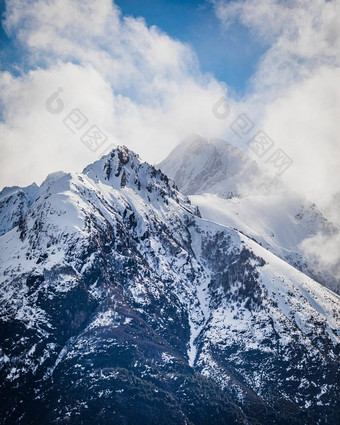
(301, 36)
(141, 87)
(324, 249)
(33, 141)
(304, 122)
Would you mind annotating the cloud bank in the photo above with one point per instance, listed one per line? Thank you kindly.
(139, 86)
(295, 92)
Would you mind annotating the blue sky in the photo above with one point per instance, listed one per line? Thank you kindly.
(13, 57)
(229, 54)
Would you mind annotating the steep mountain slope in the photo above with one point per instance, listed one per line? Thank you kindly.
(229, 189)
(119, 304)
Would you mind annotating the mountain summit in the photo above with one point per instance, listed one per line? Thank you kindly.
(199, 165)
(120, 304)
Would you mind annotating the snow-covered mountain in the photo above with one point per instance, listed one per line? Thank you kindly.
(229, 189)
(120, 304)
(199, 166)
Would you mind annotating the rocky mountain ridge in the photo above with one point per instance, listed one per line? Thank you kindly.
(120, 302)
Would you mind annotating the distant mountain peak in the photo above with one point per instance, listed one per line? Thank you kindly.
(199, 165)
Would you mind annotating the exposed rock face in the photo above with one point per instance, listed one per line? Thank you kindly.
(119, 304)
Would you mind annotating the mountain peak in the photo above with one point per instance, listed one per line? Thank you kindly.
(122, 168)
(199, 165)
(51, 178)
